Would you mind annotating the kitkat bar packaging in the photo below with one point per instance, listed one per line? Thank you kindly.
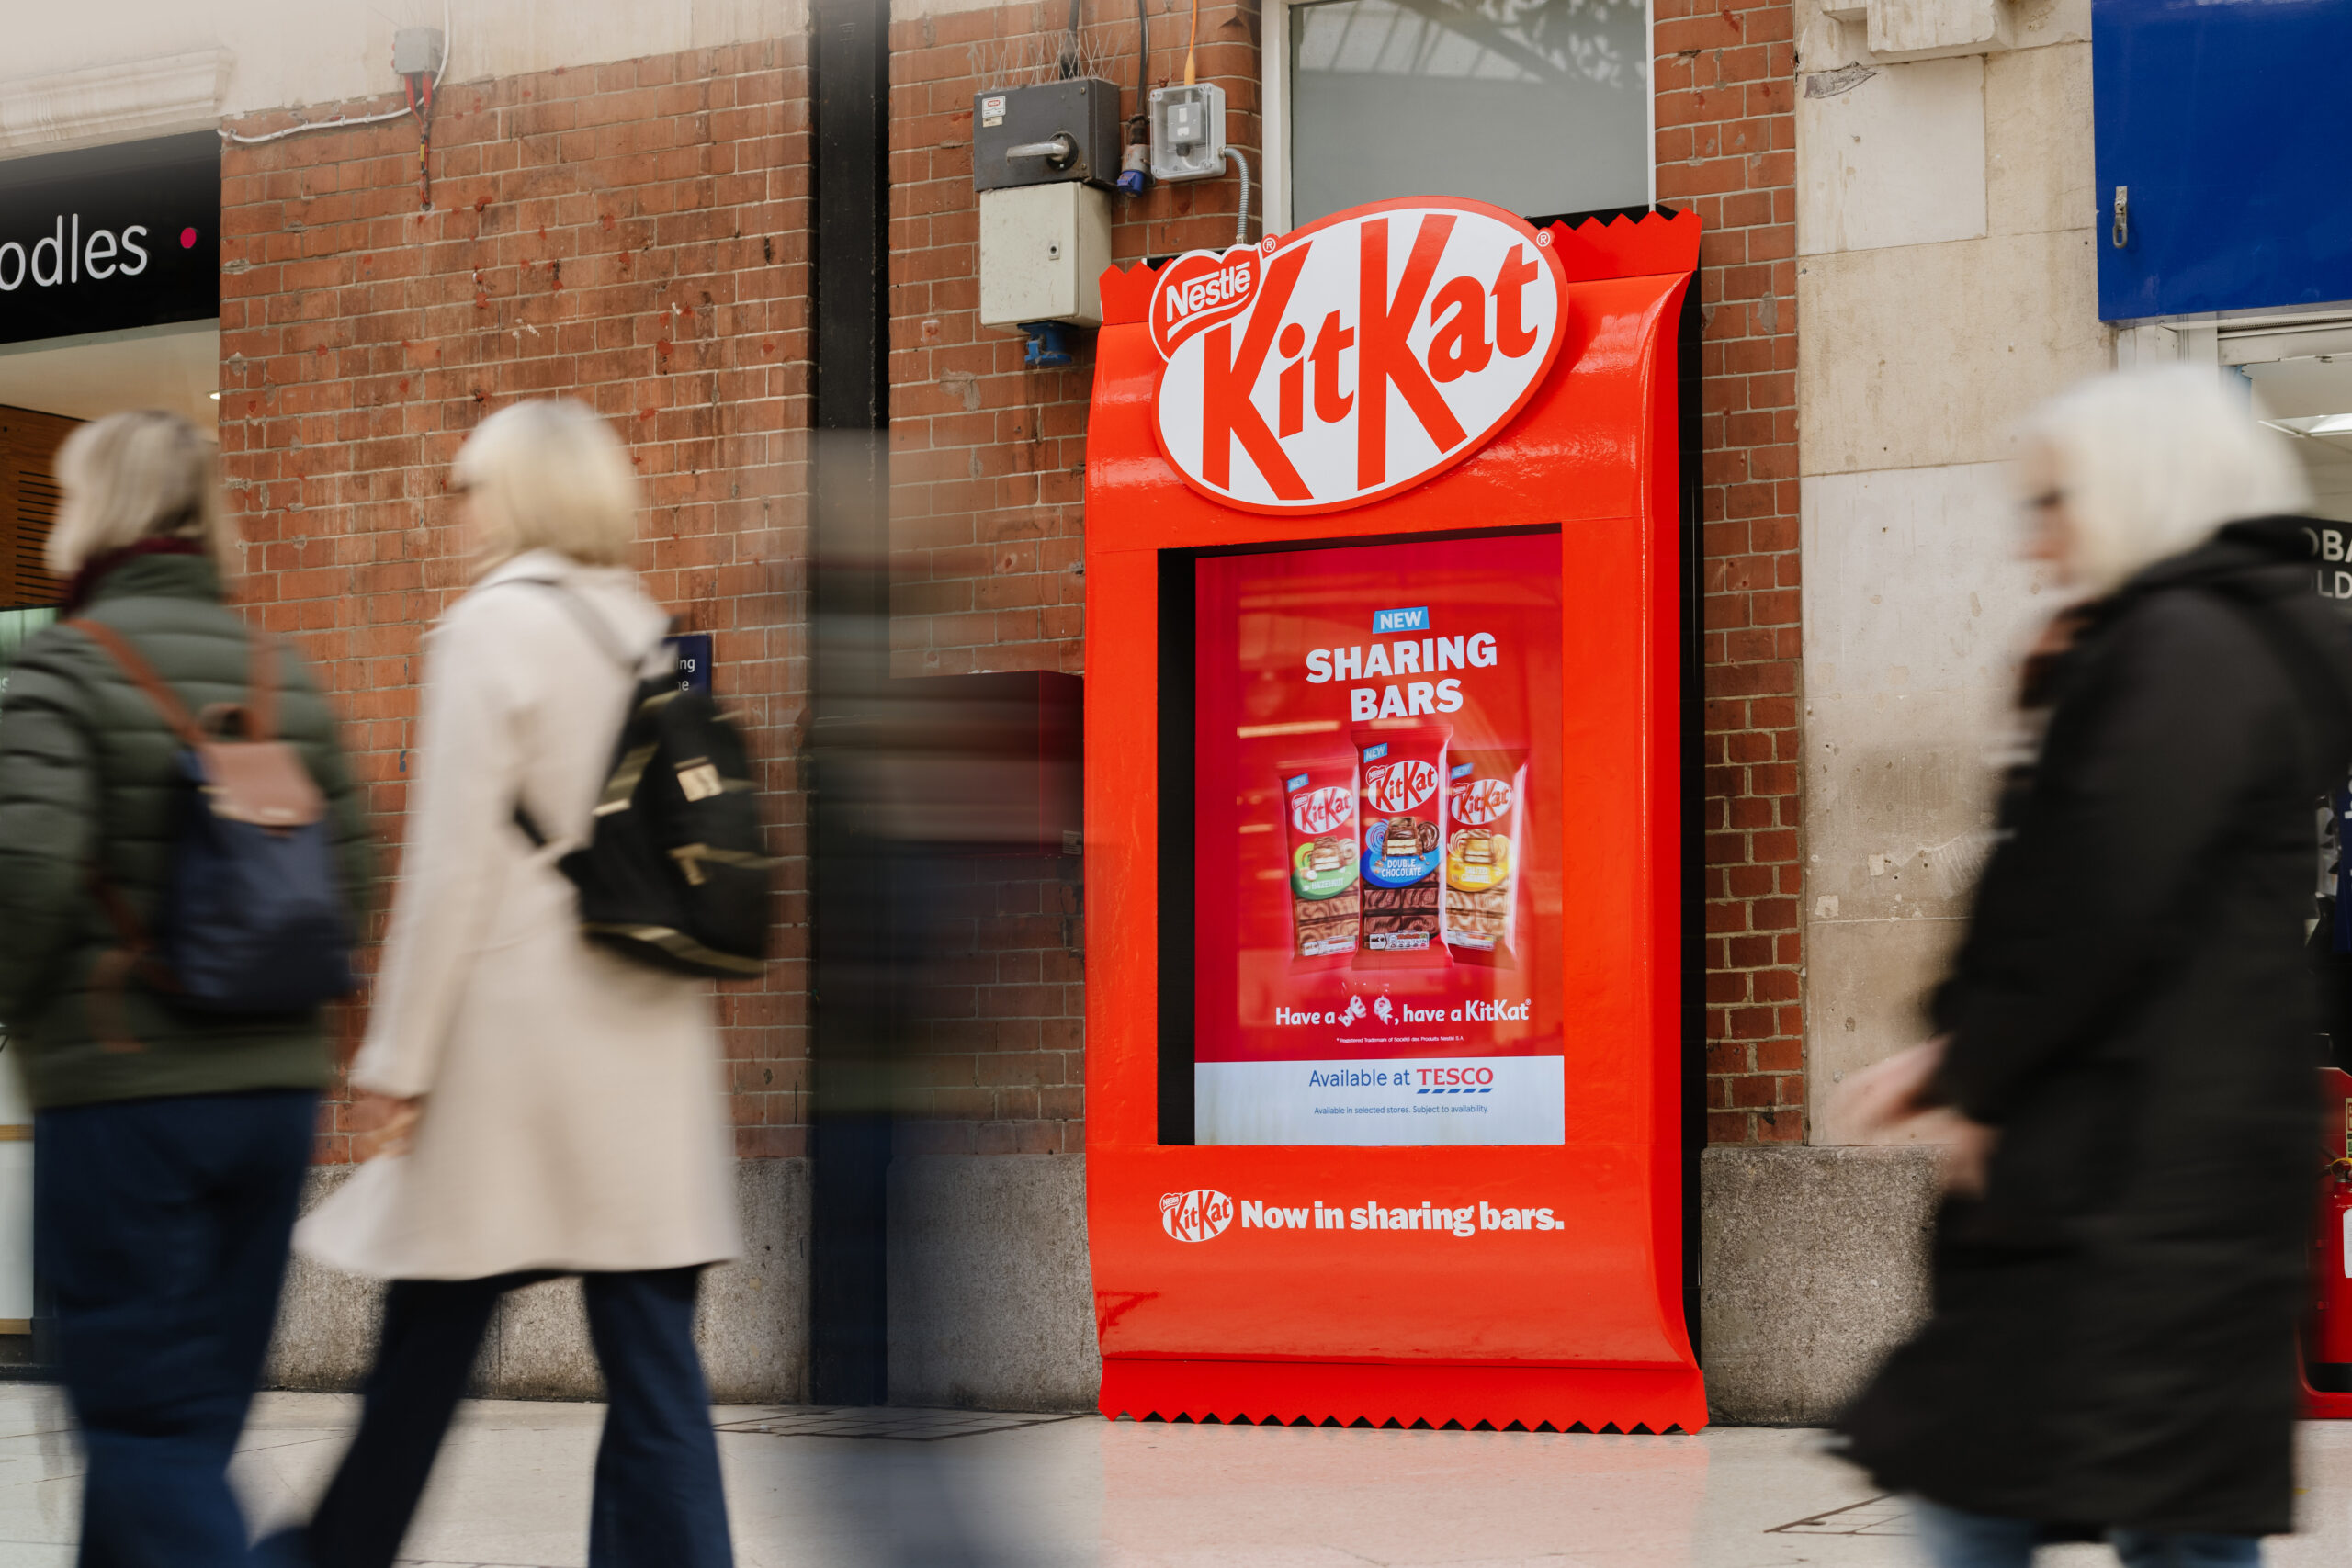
(1486, 799)
(1320, 825)
(1403, 827)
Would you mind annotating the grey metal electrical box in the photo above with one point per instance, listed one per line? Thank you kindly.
(1045, 134)
(417, 52)
(1043, 249)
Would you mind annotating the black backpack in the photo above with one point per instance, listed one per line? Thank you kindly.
(254, 919)
(674, 872)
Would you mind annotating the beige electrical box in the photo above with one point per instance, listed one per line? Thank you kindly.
(1043, 249)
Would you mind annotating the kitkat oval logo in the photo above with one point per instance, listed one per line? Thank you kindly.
(1480, 801)
(1354, 357)
(1195, 1216)
(1399, 787)
(1324, 810)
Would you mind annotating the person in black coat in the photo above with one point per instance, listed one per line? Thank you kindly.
(2129, 1025)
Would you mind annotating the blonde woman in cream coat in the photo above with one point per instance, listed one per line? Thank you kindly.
(543, 1107)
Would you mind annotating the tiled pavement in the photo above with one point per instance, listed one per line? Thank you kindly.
(964, 1489)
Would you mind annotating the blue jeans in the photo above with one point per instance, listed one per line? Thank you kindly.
(1957, 1540)
(159, 1238)
(658, 1501)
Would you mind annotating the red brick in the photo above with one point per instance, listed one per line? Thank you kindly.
(363, 338)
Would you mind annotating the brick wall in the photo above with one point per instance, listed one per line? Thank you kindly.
(1727, 145)
(632, 234)
(995, 1061)
(988, 474)
(987, 458)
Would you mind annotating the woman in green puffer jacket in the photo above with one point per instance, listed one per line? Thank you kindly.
(170, 1146)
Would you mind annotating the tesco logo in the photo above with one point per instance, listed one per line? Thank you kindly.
(1196, 1215)
(1354, 357)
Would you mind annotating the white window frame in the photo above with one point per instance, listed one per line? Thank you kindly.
(2230, 338)
(1273, 99)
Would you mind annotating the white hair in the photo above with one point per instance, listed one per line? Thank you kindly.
(2150, 463)
(549, 475)
(135, 476)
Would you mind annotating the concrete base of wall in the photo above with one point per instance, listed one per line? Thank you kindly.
(1813, 1264)
(991, 1300)
(751, 1322)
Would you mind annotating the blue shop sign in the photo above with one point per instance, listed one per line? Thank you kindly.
(693, 653)
(2221, 128)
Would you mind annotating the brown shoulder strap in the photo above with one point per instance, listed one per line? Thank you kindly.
(261, 686)
(262, 682)
(143, 676)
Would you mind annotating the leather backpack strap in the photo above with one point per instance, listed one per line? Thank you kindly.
(111, 976)
(592, 624)
(109, 1019)
(142, 675)
(261, 685)
(598, 631)
(134, 954)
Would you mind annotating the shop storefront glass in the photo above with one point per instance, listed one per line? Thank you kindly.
(1537, 106)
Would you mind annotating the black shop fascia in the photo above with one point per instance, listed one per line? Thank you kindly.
(106, 239)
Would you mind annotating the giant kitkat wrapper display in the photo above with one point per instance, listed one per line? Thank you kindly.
(1386, 811)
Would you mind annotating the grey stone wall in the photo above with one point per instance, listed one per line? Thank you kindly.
(1814, 1264)
(991, 1300)
(751, 1322)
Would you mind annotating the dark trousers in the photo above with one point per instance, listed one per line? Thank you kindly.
(658, 1499)
(159, 1238)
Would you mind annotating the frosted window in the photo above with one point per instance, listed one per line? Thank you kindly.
(1537, 106)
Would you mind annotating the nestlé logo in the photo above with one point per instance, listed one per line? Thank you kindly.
(1199, 289)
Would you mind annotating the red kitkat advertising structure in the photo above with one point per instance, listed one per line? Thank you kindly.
(1383, 790)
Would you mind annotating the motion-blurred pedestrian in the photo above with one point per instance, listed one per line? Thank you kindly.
(170, 1140)
(2112, 1349)
(543, 1106)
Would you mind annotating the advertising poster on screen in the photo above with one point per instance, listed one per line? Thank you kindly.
(1377, 844)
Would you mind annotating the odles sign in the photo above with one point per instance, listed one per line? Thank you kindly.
(111, 238)
(1354, 357)
(65, 256)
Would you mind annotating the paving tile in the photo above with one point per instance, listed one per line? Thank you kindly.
(511, 1490)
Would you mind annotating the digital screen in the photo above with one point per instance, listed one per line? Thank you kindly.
(1376, 844)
